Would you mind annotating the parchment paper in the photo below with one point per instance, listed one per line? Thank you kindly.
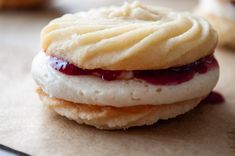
(28, 126)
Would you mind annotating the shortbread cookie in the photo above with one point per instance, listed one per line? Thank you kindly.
(108, 117)
(118, 67)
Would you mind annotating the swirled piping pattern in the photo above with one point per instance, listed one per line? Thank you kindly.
(131, 37)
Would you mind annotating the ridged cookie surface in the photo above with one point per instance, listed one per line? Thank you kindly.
(131, 37)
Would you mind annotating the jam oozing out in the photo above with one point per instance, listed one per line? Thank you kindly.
(170, 76)
(213, 98)
(70, 69)
(177, 75)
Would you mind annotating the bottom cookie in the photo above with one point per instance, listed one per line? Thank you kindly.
(108, 117)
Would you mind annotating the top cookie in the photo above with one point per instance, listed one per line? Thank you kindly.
(131, 37)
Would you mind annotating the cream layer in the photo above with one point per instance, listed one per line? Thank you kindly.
(118, 93)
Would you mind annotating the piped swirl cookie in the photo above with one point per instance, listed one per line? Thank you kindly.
(118, 67)
(131, 37)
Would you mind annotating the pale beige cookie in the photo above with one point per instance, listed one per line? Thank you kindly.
(131, 37)
(108, 117)
(15, 4)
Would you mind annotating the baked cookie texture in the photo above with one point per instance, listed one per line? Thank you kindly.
(131, 37)
(127, 38)
(221, 15)
(16, 4)
(108, 117)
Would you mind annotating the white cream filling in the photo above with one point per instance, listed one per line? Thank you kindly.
(118, 93)
(218, 8)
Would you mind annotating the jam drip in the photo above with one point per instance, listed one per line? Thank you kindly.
(70, 69)
(213, 98)
(170, 76)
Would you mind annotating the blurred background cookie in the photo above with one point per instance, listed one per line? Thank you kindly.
(21, 4)
(221, 14)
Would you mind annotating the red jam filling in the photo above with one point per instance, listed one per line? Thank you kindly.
(213, 98)
(170, 76)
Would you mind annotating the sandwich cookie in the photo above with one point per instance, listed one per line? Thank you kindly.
(118, 67)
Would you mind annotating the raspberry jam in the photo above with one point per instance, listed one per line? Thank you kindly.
(170, 76)
(177, 75)
(213, 98)
(70, 69)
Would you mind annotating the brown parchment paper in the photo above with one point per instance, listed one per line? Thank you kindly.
(25, 125)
